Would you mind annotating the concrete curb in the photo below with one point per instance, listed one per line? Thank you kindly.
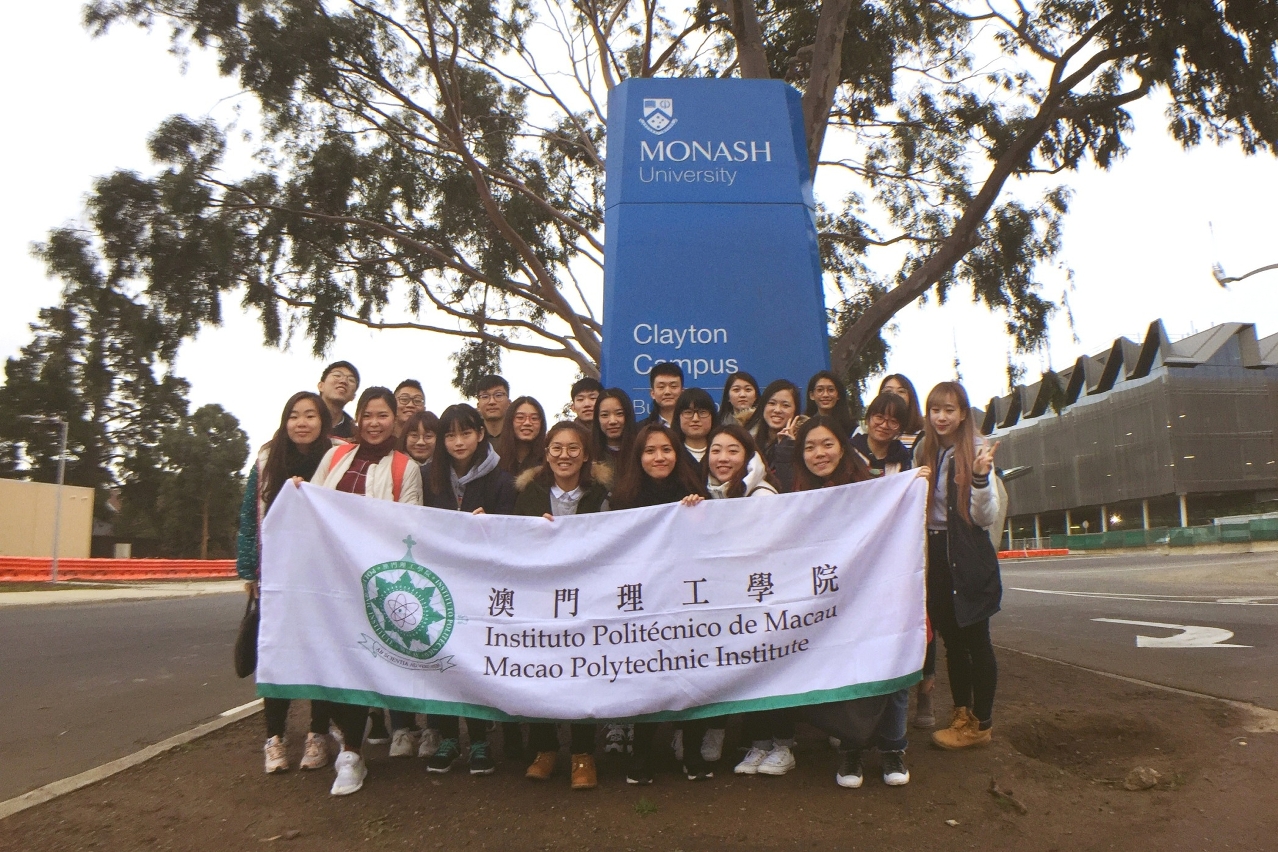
(62, 597)
(40, 795)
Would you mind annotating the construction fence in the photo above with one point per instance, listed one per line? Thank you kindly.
(1261, 529)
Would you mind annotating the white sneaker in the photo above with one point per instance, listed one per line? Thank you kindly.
(336, 733)
(276, 755)
(430, 743)
(614, 739)
(712, 744)
(351, 773)
(749, 765)
(316, 754)
(677, 745)
(402, 744)
(778, 762)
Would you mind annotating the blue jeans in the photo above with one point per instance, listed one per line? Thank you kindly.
(890, 733)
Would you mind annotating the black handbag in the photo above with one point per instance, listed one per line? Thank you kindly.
(246, 641)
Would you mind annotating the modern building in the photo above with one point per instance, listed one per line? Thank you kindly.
(1148, 434)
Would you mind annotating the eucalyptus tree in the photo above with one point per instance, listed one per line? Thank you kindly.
(443, 160)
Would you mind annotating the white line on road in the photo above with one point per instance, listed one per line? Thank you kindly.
(1189, 635)
(1234, 600)
(50, 791)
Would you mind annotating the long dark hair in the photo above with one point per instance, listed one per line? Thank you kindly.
(757, 426)
(599, 439)
(456, 418)
(915, 424)
(736, 485)
(964, 444)
(508, 445)
(849, 469)
(692, 399)
(635, 487)
(725, 404)
(283, 459)
(842, 411)
(545, 475)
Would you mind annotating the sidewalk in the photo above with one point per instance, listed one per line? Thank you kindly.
(69, 593)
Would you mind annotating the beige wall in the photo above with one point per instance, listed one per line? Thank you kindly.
(26, 519)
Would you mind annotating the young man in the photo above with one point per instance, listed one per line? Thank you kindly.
(410, 399)
(492, 398)
(665, 383)
(337, 387)
(585, 392)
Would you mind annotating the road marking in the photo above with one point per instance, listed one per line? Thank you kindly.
(50, 791)
(1251, 600)
(1190, 635)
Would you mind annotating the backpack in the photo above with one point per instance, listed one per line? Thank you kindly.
(399, 463)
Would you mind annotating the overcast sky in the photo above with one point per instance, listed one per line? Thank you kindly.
(1137, 237)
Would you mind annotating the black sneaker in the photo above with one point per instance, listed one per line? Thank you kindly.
(377, 733)
(480, 761)
(850, 774)
(894, 772)
(638, 770)
(442, 760)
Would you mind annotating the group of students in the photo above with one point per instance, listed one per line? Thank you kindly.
(501, 456)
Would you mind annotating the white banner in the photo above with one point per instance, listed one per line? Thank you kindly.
(668, 612)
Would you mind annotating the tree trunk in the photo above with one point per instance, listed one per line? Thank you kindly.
(824, 75)
(752, 60)
(204, 531)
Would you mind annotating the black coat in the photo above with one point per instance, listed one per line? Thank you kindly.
(494, 492)
(973, 571)
(534, 499)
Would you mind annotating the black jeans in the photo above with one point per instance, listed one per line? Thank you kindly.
(693, 732)
(450, 729)
(276, 712)
(969, 653)
(768, 725)
(350, 720)
(544, 736)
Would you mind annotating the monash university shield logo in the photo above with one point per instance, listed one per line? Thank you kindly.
(409, 608)
(658, 115)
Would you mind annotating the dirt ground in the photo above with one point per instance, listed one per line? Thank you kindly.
(1064, 742)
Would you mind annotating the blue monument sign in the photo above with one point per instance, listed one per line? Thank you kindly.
(711, 244)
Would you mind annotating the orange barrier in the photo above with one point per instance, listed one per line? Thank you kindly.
(1030, 554)
(38, 569)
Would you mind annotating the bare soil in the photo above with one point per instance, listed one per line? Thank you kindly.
(1064, 742)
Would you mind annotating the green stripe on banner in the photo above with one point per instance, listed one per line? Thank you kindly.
(480, 711)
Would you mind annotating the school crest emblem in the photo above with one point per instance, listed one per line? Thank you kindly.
(408, 607)
(658, 115)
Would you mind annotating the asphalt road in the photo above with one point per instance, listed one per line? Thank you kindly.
(1051, 607)
(83, 684)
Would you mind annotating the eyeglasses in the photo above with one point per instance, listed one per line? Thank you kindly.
(885, 421)
(411, 400)
(340, 376)
(526, 418)
(694, 414)
(571, 450)
(494, 396)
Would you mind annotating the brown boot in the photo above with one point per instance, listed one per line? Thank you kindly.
(963, 732)
(584, 776)
(543, 766)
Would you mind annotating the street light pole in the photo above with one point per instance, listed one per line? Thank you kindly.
(1218, 272)
(62, 469)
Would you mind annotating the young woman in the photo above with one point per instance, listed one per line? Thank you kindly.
(523, 436)
(417, 438)
(964, 588)
(371, 467)
(613, 432)
(879, 445)
(829, 396)
(562, 485)
(659, 471)
(740, 393)
(693, 419)
(828, 462)
(773, 426)
(466, 476)
(294, 450)
(912, 426)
